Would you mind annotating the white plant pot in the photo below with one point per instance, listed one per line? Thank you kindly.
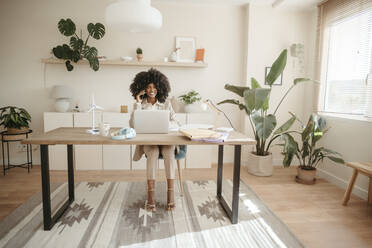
(62, 104)
(193, 108)
(260, 165)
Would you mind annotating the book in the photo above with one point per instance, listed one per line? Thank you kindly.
(200, 133)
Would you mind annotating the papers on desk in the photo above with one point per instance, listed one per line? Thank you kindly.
(205, 135)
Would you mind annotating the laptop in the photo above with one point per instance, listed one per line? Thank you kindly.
(151, 121)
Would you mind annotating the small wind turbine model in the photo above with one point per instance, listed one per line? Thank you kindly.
(92, 109)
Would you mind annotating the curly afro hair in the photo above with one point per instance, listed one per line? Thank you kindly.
(144, 78)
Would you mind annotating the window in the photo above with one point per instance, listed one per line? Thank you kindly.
(348, 62)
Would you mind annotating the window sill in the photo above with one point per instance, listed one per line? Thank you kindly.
(345, 116)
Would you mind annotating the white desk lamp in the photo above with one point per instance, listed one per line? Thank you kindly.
(218, 111)
(92, 109)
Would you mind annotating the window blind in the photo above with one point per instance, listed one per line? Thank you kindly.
(344, 50)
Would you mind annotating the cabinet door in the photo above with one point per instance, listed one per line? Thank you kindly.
(199, 156)
(88, 157)
(116, 157)
(181, 118)
(57, 153)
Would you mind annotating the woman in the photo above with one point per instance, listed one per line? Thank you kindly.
(150, 90)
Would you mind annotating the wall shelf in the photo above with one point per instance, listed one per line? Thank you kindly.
(131, 63)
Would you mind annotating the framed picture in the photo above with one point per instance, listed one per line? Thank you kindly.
(278, 81)
(186, 52)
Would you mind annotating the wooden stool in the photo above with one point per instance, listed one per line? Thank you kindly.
(364, 168)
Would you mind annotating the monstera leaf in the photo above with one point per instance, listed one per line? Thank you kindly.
(94, 63)
(76, 44)
(90, 52)
(66, 27)
(68, 65)
(239, 90)
(277, 68)
(97, 31)
(63, 52)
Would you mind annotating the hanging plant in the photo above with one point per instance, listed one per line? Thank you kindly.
(78, 48)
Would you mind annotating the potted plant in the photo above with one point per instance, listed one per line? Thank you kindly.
(14, 119)
(78, 48)
(190, 101)
(139, 54)
(308, 155)
(256, 106)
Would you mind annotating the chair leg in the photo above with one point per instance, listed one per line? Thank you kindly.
(350, 187)
(370, 191)
(180, 176)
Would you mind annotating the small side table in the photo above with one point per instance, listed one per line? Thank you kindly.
(10, 137)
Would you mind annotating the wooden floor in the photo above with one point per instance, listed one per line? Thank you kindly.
(313, 212)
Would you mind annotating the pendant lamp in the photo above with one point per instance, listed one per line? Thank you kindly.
(133, 16)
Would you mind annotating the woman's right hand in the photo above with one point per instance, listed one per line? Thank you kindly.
(138, 97)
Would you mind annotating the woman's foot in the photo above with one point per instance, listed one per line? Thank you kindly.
(170, 195)
(150, 205)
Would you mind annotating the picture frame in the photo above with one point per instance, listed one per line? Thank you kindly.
(186, 51)
(278, 81)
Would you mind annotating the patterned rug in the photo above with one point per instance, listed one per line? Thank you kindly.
(112, 214)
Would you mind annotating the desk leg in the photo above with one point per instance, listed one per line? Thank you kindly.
(232, 213)
(50, 220)
(70, 161)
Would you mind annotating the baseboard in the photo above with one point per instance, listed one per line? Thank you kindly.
(358, 191)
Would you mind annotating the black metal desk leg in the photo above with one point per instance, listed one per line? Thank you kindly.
(219, 170)
(2, 148)
(47, 214)
(70, 161)
(236, 183)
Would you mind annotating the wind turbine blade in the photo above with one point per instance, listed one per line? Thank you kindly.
(90, 110)
(98, 107)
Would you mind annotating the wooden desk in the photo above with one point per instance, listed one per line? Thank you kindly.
(78, 136)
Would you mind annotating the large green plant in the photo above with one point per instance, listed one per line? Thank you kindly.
(256, 106)
(308, 154)
(78, 48)
(14, 117)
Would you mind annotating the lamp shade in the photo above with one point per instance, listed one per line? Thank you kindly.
(133, 16)
(61, 91)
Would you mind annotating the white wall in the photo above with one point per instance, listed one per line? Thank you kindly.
(29, 32)
(269, 32)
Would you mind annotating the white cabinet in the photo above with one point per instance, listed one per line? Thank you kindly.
(88, 157)
(116, 157)
(57, 153)
(199, 156)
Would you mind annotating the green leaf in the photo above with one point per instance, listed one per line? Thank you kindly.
(63, 52)
(235, 102)
(277, 68)
(68, 65)
(287, 125)
(290, 149)
(90, 52)
(66, 27)
(254, 83)
(97, 31)
(239, 90)
(308, 129)
(336, 159)
(300, 80)
(255, 99)
(94, 63)
(264, 125)
(76, 44)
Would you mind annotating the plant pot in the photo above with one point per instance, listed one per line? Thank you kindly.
(260, 165)
(305, 176)
(193, 108)
(11, 130)
(139, 57)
